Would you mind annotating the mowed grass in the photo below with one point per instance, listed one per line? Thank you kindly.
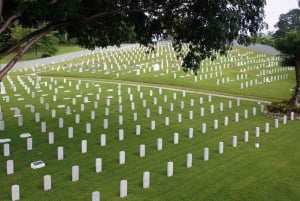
(31, 55)
(241, 173)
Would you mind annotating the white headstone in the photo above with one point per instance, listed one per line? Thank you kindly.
(246, 114)
(257, 131)
(98, 165)
(176, 138)
(123, 188)
(170, 169)
(37, 117)
(43, 127)
(51, 138)
(88, 128)
(159, 144)
(6, 149)
(29, 144)
(60, 153)
(96, 196)
(152, 125)
(10, 167)
(246, 136)
(138, 129)
(206, 154)
(146, 179)
(191, 132)
(179, 117)
(60, 122)
(234, 141)
(267, 128)
(70, 132)
(122, 157)
(216, 123)
(47, 182)
(236, 117)
(75, 173)
(142, 150)
(83, 146)
(221, 147)
(15, 192)
(105, 123)
(189, 160)
(102, 140)
(276, 123)
(203, 128)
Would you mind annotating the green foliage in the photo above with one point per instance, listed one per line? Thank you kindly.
(283, 107)
(48, 45)
(208, 26)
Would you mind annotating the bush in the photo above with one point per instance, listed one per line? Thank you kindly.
(283, 107)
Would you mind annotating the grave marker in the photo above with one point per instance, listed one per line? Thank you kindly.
(15, 192)
(6, 149)
(122, 157)
(189, 160)
(159, 144)
(75, 173)
(96, 196)
(246, 136)
(206, 154)
(221, 147)
(176, 138)
(146, 179)
(10, 167)
(60, 153)
(83, 146)
(98, 165)
(234, 141)
(29, 144)
(170, 169)
(47, 182)
(123, 188)
(102, 140)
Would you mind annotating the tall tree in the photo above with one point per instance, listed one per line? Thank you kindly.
(208, 26)
(287, 40)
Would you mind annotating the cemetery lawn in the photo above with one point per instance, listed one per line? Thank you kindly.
(31, 55)
(114, 92)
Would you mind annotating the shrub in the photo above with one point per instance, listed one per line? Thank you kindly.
(283, 107)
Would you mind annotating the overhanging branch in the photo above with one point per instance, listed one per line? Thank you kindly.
(7, 23)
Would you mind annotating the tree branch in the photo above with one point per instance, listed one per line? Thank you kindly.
(33, 41)
(7, 23)
(53, 2)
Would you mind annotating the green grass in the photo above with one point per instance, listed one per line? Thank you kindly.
(31, 55)
(241, 173)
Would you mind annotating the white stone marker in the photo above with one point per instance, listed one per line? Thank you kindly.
(15, 192)
(138, 129)
(206, 154)
(254, 111)
(234, 141)
(93, 115)
(170, 169)
(75, 173)
(43, 127)
(121, 134)
(120, 119)
(159, 144)
(171, 107)
(135, 116)
(122, 157)
(167, 121)
(70, 132)
(96, 196)
(191, 114)
(60, 153)
(98, 165)
(276, 123)
(47, 182)
(257, 131)
(221, 147)
(20, 121)
(267, 128)
(160, 110)
(6, 149)
(77, 118)
(148, 114)
(212, 109)
(83, 146)
(2, 125)
(29, 144)
(230, 104)
(176, 138)
(88, 128)
(51, 138)
(179, 117)
(246, 136)
(53, 113)
(123, 188)
(189, 160)
(246, 114)
(37, 117)
(292, 116)
(216, 122)
(142, 150)
(284, 119)
(203, 128)
(105, 123)
(146, 179)
(102, 140)
(10, 167)
(61, 123)
(152, 125)
(236, 117)
(191, 133)
(225, 121)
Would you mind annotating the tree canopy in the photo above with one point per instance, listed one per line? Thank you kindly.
(207, 26)
(287, 40)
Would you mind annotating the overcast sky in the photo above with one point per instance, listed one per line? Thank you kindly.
(274, 8)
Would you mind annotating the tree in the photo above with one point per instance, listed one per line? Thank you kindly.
(287, 40)
(207, 26)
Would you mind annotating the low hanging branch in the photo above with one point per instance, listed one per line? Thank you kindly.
(7, 23)
(34, 39)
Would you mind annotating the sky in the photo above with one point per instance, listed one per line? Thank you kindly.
(274, 8)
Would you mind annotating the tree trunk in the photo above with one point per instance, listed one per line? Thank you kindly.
(295, 100)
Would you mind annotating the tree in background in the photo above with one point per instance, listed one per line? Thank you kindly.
(207, 26)
(287, 40)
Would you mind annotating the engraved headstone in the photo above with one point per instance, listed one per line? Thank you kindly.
(10, 167)
(96, 196)
(176, 138)
(75, 173)
(29, 144)
(246, 136)
(159, 144)
(123, 188)
(70, 132)
(203, 128)
(102, 140)
(60, 153)
(51, 138)
(83, 146)
(6, 149)
(267, 128)
(221, 147)
(47, 182)
(15, 192)
(98, 165)
(234, 141)
(122, 157)
(206, 154)
(170, 169)
(189, 160)
(146, 179)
